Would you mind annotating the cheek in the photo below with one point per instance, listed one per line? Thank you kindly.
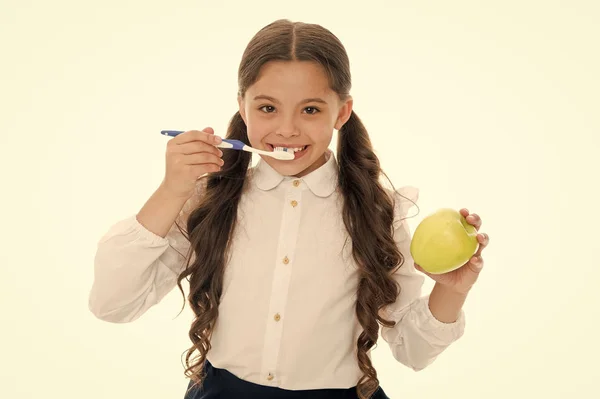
(257, 129)
(253, 136)
(259, 122)
(325, 138)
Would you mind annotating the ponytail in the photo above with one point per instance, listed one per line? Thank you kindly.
(368, 215)
(211, 226)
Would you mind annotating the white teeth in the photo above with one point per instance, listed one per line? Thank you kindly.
(289, 149)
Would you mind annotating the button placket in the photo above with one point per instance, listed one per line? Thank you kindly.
(290, 224)
(294, 202)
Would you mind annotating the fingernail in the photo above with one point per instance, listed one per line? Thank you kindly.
(218, 139)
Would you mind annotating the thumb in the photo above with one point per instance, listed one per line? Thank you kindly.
(419, 268)
(476, 264)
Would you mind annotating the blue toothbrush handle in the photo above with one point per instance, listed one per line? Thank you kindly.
(235, 144)
(171, 133)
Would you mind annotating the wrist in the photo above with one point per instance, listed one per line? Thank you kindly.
(453, 291)
(445, 303)
(165, 192)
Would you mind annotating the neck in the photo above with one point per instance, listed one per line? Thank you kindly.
(316, 165)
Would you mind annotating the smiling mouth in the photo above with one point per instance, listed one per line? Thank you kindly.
(288, 148)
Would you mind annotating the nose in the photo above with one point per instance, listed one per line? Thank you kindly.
(288, 128)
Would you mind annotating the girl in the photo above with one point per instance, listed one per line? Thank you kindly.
(293, 266)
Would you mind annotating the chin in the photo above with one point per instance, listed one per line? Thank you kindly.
(285, 168)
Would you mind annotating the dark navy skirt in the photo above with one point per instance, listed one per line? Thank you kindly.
(221, 384)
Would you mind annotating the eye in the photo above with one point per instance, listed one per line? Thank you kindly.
(313, 109)
(269, 110)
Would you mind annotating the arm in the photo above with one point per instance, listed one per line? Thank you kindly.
(160, 212)
(445, 304)
(138, 260)
(418, 336)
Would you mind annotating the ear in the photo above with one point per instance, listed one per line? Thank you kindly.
(242, 108)
(344, 113)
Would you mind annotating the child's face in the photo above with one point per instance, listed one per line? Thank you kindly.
(276, 113)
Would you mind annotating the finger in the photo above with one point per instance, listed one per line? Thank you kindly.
(203, 158)
(483, 240)
(207, 135)
(476, 264)
(195, 147)
(464, 212)
(202, 169)
(433, 276)
(474, 220)
(419, 268)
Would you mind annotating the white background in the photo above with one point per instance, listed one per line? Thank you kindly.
(491, 106)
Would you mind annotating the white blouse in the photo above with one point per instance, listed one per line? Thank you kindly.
(287, 315)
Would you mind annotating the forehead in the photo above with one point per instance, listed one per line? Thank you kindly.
(291, 78)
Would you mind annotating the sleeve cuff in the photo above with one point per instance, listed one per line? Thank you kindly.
(130, 226)
(426, 321)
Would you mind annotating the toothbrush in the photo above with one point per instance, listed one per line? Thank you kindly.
(282, 155)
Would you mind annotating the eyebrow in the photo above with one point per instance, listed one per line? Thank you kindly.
(307, 100)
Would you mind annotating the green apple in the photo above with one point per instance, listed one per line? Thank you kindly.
(443, 241)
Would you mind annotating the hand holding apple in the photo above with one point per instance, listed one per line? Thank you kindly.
(447, 248)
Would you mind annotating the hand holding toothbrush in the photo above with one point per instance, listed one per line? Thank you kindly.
(283, 154)
(189, 156)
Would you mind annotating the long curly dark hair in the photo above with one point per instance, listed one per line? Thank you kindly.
(368, 210)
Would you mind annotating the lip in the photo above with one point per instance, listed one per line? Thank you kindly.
(273, 145)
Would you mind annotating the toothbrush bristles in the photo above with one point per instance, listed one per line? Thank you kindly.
(281, 150)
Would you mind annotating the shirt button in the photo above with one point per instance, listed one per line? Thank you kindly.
(294, 203)
(296, 183)
(286, 260)
(277, 317)
(270, 377)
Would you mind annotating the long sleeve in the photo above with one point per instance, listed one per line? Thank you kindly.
(418, 337)
(134, 269)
